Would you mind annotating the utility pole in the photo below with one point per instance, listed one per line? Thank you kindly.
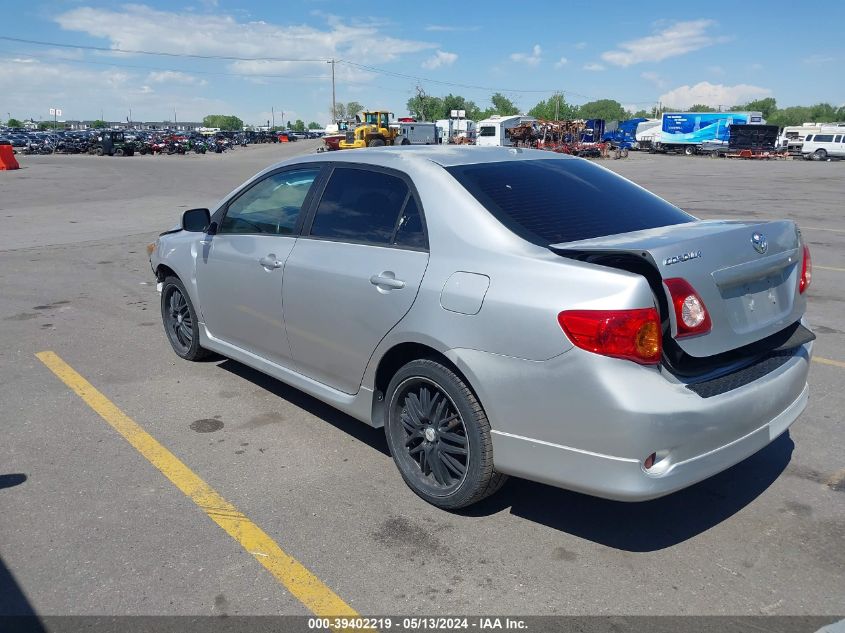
(557, 107)
(334, 105)
(273, 113)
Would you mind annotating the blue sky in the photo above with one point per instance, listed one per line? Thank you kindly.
(718, 53)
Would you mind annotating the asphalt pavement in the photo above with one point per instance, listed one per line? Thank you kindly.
(89, 525)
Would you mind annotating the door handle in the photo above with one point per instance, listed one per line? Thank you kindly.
(387, 280)
(270, 261)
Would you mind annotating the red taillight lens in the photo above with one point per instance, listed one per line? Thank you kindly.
(806, 271)
(691, 314)
(631, 334)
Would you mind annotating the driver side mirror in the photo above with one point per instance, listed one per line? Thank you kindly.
(196, 220)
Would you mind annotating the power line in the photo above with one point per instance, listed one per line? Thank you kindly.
(161, 53)
(374, 69)
(418, 78)
(158, 68)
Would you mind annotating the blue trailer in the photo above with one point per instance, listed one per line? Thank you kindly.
(692, 132)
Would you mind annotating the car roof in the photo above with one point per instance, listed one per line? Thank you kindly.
(445, 156)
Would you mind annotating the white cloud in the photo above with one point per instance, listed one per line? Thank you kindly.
(712, 95)
(818, 59)
(443, 28)
(32, 86)
(561, 62)
(654, 78)
(175, 77)
(532, 59)
(676, 39)
(593, 67)
(581, 45)
(139, 27)
(440, 58)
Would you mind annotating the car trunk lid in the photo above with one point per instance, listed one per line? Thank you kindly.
(745, 272)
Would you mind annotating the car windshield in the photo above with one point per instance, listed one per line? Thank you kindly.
(550, 201)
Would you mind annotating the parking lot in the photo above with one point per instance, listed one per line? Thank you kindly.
(89, 524)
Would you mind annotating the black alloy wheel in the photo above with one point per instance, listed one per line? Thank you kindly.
(439, 436)
(180, 320)
(435, 436)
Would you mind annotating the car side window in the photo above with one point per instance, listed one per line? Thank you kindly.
(409, 230)
(272, 205)
(359, 205)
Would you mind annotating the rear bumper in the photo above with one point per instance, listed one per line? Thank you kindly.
(587, 423)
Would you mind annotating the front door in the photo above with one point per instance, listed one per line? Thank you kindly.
(239, 270)
(354, 274)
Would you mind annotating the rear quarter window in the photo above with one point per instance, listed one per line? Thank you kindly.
(549, 201)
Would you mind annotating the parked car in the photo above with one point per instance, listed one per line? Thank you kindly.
(501, 312)
(823, 146)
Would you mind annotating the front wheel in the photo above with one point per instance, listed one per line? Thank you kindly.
(180, 320)
(689, 150)
(439, 436)
(376, 142)
(820, 154)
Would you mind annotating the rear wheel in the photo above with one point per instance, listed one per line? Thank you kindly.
(439, 436)
(376, 142)
(180, 320)
(689, 150)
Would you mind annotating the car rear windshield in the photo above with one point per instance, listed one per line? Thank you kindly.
(549, 201)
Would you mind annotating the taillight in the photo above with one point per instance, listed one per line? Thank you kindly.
(691, 314)
(806, 271)
(630, 334)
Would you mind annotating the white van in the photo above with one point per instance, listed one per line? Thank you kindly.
(495, 130)
(824, 145)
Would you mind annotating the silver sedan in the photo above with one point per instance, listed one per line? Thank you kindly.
(501, 312)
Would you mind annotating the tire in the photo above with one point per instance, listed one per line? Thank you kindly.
(180, 321)
(407, 142)
(439, 436)
(118, 152)
(625, 153)
(376, 142)
(689, 150)
(100, 151)
(820, 154)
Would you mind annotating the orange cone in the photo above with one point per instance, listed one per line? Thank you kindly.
(7, 158)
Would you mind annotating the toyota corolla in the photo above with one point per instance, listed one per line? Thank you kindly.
(502, 312)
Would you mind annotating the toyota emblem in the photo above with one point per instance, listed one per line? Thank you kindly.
(758, 241)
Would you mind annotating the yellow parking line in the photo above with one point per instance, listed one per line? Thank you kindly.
(827, 361)
(307, 588)
(839, 270)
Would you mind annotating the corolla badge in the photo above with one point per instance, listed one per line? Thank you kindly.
(683, 257)
(758, 241)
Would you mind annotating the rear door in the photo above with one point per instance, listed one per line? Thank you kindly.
(239, 270)
(354, 273)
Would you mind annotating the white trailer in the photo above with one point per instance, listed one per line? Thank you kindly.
(495, 131)
(417, 133)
